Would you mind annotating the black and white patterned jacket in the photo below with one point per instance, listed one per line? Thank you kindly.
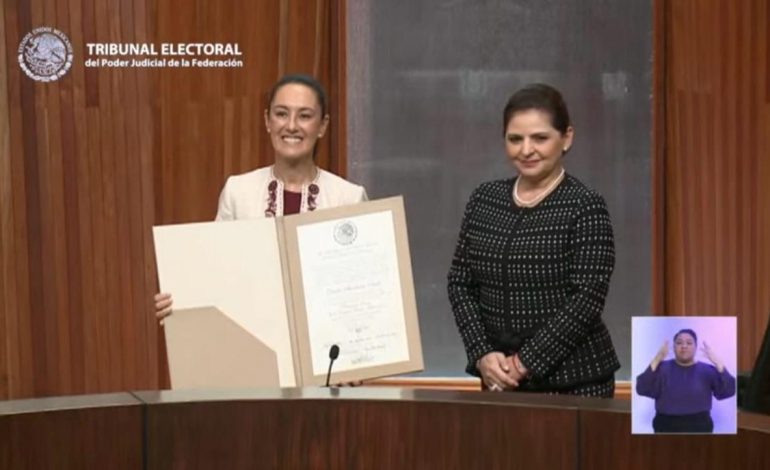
(534, 280)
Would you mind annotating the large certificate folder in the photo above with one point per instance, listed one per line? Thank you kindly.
(296, 285)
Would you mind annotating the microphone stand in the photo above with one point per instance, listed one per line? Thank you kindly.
(334, 352)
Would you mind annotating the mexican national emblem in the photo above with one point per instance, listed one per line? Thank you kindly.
(45, 54)
(345, 232)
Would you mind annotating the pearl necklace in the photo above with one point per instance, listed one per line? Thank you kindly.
(536, 200)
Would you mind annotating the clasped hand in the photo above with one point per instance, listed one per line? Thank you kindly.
(499, 372)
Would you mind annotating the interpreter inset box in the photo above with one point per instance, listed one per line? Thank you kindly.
(684, 375)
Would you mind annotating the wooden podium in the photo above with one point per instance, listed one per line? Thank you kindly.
(355, 428)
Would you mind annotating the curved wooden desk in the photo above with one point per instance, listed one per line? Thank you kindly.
(81, 432)
(354, 428)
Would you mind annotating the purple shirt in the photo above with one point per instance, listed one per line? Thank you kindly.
(683, 390)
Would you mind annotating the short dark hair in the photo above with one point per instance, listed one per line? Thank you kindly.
(689, 332)
(305, 80)
(541, 97)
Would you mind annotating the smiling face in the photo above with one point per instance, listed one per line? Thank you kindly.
(684, 348)
(534, 146)
(295, 121)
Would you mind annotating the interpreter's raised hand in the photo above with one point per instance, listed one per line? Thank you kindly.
(662, 353)
(711, 355)
(163, 302)
(497, 373)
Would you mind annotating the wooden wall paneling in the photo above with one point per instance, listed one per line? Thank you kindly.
(741, 302)
(705, 196)
(7, 284)
(713, 41)
(749, 128)
(761, 126)
(144, 324)
(78, 210)
(58, 145)
(337, 53)
(750, 309)
(95, 317)
(46, 336)
(724, 147)
(302, 41)
(283, 37)
(763, 172)
(43, 293)
(308, 38)
(322, 38)
(748, 215)
(716, 243)
(731, 65)
(72, 282)
(96, 341)
(104, 216)
(750, 102)
(163, 167)
(120, 261)
(22, 365)
(24, 222)
(230, 134)
(266, 64)
(672, 270)
(135, 309)
(131, 359)
(147, 117)
(81, 248)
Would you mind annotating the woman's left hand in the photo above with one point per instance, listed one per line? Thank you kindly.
(712, 357)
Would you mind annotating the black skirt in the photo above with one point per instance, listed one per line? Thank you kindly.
(694, 423)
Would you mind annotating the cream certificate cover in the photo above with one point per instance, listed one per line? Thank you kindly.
(236, 267)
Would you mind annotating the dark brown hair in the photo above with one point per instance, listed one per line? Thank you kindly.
(541, 97)
(301, 79)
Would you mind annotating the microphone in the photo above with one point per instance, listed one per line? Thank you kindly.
(334, 353)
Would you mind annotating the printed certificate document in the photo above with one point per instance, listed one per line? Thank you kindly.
(301, 284)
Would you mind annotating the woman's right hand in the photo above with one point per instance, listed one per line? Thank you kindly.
(662, 353)
(495, 371)
(163, 302)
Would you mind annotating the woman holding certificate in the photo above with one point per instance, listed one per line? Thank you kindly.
(533, 263)
(296, 117)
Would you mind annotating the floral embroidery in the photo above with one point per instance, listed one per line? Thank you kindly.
(275, 196)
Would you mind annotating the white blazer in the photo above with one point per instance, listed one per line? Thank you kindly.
(246, 196)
